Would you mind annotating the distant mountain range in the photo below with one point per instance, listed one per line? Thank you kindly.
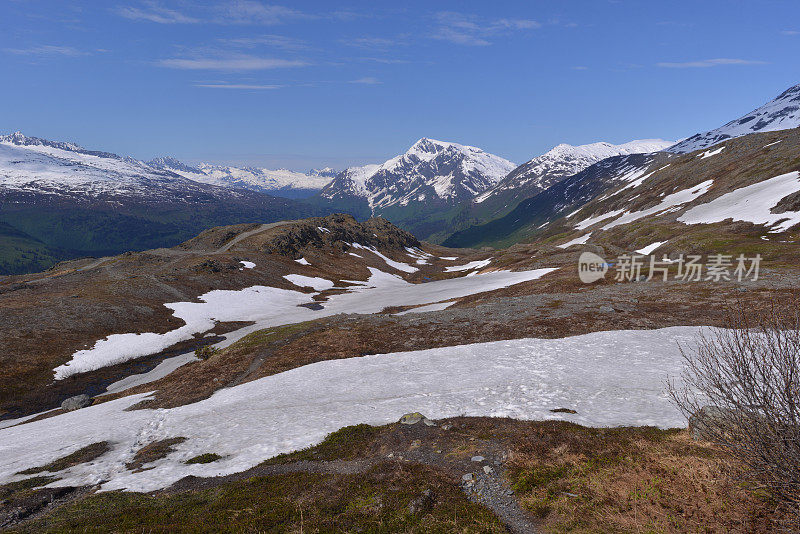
(59, 200)
(281, 182)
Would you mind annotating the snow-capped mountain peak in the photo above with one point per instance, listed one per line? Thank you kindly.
(781, 113)
(565, 160)
(429, 171)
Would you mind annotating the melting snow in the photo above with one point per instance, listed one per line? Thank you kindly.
(477, 264)
(319, 284)
(400, 266)
(610, 378)
(247, 264)
(438, 306)
(670, 201)
(752, 203)
(650, 248)
(709, 153)
(302, 261)
(577, 241)
(270, 306)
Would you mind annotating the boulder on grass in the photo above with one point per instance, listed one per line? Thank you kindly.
(76, 403)
(414, 418)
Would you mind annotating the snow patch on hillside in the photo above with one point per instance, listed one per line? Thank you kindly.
(753, 203)
(611, 378)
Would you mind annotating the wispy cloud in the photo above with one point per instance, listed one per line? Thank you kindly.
(368, 80)
(706, 63)
(154, 12)
(580, 67)
(252, 12)
(273, 41)
(371, 42)
(242, 86)
(237, 63)
(47, 50)
(384, 60)
(470, 30)
(790, 32)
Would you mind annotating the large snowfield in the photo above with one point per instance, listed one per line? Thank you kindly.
(611, 378)
(270, 306)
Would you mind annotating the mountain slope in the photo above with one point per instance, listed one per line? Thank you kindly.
(781, 113)
(83, 202)
(281, 182)
(543, 171)
(416, 190)
(554, 201)
(641, 200)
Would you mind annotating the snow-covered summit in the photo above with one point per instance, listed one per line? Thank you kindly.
(281, 182)
(566, 160)
(429, 170)
(326, 172)
(781, 113)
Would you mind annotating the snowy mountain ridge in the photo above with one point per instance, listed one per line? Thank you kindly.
(23, 160)
(566, 160)
(34, 164)
(430, 170)
(781, 113)
(292, 183)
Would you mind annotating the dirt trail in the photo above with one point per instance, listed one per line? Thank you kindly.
(227, 246)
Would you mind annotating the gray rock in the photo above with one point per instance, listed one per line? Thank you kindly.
(478, 458)
(414, 418)
(76, 403)
(488, 469)
(469, 477)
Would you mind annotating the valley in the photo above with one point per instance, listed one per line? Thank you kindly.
(407, 346)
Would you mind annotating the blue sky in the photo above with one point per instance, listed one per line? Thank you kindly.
(310, 83)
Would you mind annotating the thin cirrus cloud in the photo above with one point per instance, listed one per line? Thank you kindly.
(470, 30)
(707, 63)
(790, 32)
(229, 12)
(239, 63)
(367, 80)
(273, 41)
(153, 12)
(241, 86)
(47, 50)
(252, 12)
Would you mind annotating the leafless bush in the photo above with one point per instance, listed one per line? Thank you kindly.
(741, 390)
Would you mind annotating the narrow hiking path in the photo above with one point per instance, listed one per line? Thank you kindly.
(264, 227)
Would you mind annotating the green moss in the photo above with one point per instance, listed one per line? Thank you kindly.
(12, 488)
(344, 444)
(375, 501)
(205, 458)
(83, 455)
(529, 479)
